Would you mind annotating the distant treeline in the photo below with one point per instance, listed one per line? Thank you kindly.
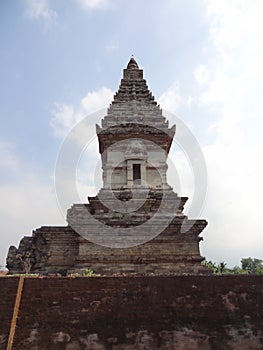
(248, 266)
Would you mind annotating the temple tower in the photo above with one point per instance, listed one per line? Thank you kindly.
(135, 117)
(135, 224)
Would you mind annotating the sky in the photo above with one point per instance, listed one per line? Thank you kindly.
(60, 61)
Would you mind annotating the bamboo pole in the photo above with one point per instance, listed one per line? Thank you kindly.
(15, 313)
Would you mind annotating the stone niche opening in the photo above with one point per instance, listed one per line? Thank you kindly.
(136, 172)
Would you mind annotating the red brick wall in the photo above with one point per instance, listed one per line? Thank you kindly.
(182, 313)
(8, 288)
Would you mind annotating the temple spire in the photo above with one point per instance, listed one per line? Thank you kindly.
(134, 102)
(132, 64)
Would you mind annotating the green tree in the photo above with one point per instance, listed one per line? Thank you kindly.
(254, 266)
(218, 269)
(248, 265)
(222, 267)
(236, 270)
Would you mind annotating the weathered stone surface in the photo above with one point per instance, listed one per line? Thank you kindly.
(134, 102)
(51, 250)
(155, 313)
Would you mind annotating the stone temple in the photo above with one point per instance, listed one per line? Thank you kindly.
(135, 224)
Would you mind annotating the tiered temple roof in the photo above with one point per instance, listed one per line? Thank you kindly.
(133, 102)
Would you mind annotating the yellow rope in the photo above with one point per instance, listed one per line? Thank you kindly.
(15, 313)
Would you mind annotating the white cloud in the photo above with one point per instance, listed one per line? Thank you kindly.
(229, 22)
(233, 203)
(80, 139)
(39, 9)
(66, 116)
(93, 4)
(97, 99)
(234, 87)
(171, 98)
(235, 23)
(63, 119)
(232, 95)
(28, 202)
(8, 158)
(202, 74)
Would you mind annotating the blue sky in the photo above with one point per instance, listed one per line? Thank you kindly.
(62, 60)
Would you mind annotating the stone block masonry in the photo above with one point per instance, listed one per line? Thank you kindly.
(119, 313)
